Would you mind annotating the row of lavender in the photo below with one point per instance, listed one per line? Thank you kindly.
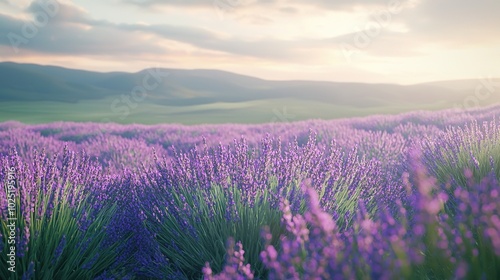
(110, 202)
(129, 145)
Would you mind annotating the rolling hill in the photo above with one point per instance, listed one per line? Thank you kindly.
(35, 93)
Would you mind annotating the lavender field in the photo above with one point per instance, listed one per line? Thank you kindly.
(413, 196)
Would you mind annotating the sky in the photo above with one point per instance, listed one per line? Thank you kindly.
(373, 41)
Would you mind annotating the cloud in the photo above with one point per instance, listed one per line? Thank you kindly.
(272, 32)
(424, 27)
(205, 39)
(289, 10)
(444, 22)
(198, 2)
(72, 30)
(146, 3)
(322, 4)
(284, 6)
(449, 21)
(60, 13)
(347, 5)
(453, 22)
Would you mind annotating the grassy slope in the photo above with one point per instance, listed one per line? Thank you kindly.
(39, 94)
(259, 111)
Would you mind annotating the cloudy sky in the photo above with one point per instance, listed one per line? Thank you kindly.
(396, 41)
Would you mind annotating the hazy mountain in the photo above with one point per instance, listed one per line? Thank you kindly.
(25, 83)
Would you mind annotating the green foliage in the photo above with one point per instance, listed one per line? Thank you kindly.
(47, 132)
(59, 245)
(189, 252)
(466, 156)
(453, 165)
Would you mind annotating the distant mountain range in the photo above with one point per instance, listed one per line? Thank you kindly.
(169, 95)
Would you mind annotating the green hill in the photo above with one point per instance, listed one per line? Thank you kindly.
(35, 93)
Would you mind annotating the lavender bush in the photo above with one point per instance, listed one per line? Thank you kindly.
(420, 242)
(57, 214)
